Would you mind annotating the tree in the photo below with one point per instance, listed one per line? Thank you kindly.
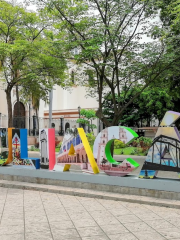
(26, 53)
(110, 35)
(87, 117)
(151, 104)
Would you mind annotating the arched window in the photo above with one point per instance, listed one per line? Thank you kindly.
(72, 77)
(67, 125)
(19, 115)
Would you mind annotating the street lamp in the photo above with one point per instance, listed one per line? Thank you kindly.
(34, 124)
(79, 110)
(29, 101)
(61, 132)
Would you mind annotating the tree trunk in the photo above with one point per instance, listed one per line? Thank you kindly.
(37, 119)
(9, 103)
(18, 107)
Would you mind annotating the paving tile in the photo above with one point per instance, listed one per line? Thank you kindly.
(38, 236)
(11, 221)
(114, 229)
(90, 232)
(106, 220)
(79, 215)
(84, 222)
(12, 237)
(168, 214)
(170, 233)
(148, 235)
(35, 219)
(59, 234)
(174, 221)
(101, 213)
(37, 227)
(57, 217)
(150, 216)
(61, 225)
(159, 224)
(15, 229)
(124, 236)
(137, 226)
(100, 237)
(119, 212)
(128, 218)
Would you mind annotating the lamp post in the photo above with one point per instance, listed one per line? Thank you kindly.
(29, 101)
(79, 110)
(61, 124)
(34, 124)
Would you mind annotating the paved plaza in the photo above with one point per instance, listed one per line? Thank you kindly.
(37, 215)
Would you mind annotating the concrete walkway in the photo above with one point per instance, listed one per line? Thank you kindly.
(92, 193)
(37, 215)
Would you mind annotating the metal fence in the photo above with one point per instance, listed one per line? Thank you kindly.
(33, 124)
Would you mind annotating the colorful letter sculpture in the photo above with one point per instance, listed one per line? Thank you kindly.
(20, 151)
(47, 148)
(76, 150)
(164, 153)
(102, 153)
(3, 146)
(6, 144)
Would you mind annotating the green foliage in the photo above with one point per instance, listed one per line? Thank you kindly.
(143, 143)
(28, 56)
(152, 103)
(86, 118)
(33, 149)
(111, 52)
(118, 144)
(59, 145)
(91, 138)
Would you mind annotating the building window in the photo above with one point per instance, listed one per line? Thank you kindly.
(90, 75)
(72, 77)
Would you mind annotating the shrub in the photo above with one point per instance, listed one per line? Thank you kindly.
(91, 138)
(139, 150)
(142, 143)
(59, 145)
(119, 144)
(32, 148)
(134, 143)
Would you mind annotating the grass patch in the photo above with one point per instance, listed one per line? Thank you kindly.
(128, 151)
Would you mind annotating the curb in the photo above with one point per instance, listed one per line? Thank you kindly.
(91, 194)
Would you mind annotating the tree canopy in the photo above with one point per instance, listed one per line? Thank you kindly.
(151, 104)
(112, 42)
(27, 53)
